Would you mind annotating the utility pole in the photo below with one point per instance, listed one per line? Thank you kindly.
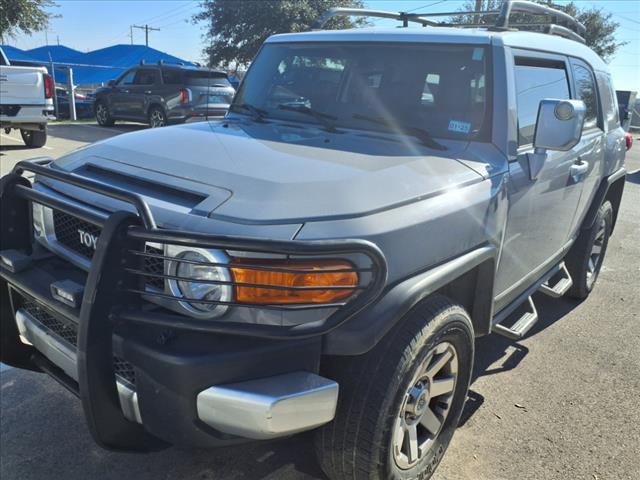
(476, 18)
(146, 29)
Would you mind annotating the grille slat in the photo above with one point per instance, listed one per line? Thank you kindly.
(67, 229)
(68, 332)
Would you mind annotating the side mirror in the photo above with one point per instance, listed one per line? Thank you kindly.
(111, 83)
(558, 128)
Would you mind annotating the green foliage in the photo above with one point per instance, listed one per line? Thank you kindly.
(237, 28)
(26, 16)
(600, 27)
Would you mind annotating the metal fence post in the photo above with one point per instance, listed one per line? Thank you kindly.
(53, 77)
(71, 94)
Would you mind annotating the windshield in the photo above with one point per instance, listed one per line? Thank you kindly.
(439, 89)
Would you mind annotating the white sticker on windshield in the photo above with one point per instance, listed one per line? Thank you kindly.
(459, 127)
(478, 53)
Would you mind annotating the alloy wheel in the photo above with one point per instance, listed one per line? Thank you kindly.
(595, 257)
(101, 114)
(156, 119)
(425, 406)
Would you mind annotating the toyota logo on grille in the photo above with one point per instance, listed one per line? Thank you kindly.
(87, 239)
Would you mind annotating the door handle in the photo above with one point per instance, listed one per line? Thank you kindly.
(578, 169)
(147, 92)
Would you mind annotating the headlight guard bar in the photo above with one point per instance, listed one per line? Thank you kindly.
(142, 229)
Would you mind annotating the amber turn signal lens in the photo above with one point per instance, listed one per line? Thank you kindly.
(308, 285)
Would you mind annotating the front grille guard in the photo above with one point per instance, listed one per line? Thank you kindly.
(112, 291)
(139, 230)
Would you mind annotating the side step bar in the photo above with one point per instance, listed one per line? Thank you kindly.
(521, 326)
(563, 282)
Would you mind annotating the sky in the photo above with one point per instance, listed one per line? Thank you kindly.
(91, 24)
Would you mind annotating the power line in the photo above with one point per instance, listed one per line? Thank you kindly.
(425, 6)
(160, 16)
(182, 20)
(626, 18)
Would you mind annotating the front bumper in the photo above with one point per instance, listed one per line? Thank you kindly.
(193, 383)
(194, 390)
(256, 409)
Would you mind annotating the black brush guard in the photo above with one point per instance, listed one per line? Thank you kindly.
(115, 285)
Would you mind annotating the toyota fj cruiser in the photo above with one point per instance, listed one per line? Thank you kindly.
(324, 256)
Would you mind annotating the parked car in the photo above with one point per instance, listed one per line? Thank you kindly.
(163, 94)
(626, 103)
(324, 256)
(26, 101)
(84, 104)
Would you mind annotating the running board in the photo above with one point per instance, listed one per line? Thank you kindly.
(561, 286)
(521, 326)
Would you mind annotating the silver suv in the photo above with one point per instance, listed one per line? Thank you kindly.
(324, 256)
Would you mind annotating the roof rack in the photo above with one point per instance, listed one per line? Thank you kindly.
(559, 23)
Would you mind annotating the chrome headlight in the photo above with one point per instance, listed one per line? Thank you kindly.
(195, 275)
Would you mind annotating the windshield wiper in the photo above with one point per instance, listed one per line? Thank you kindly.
(324, 118)
(421, 134)
(258, 113)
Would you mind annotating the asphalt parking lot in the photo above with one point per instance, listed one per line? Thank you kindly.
(561, 404)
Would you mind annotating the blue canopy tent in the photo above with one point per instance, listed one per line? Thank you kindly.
(95, 67)
(57, 53)
(19, 56)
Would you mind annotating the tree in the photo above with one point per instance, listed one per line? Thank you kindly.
(237, 28)
(601, 29)
(26, 16)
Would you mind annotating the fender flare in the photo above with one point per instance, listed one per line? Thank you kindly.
(601, 194)
(362, 333)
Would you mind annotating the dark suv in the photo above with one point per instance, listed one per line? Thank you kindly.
(162, 94)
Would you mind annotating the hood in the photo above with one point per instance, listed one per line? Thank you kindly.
(249, 172)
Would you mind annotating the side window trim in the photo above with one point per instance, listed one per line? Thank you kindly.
(574, 61)
(522, 57)
(144, 71)
(124, 75)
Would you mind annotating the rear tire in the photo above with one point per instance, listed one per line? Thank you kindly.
(103, 116)
(34, 138)
(400, 403)
(585, 258)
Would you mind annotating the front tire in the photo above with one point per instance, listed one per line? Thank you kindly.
(157, 117)
(103, 116)
(584, 261)
(34, 138)
(400, 403)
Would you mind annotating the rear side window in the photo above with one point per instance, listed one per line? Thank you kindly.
(609, 101)
(146, 77)
(171, 77)
(200, 78)
(533, 84)
(586, 91)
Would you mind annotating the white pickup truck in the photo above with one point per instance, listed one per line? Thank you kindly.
(26, 101)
